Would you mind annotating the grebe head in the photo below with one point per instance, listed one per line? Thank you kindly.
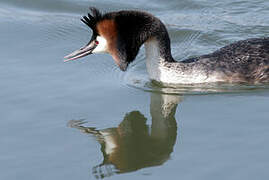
(121, 34)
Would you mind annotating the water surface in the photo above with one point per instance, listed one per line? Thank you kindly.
(86, 119)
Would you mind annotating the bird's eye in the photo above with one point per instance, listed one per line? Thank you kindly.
(96, 42)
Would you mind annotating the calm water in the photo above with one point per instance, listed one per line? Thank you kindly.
(86, 119)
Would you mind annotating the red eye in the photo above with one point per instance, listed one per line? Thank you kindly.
(96, 42)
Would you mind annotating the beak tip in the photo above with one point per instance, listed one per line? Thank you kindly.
(69, 59)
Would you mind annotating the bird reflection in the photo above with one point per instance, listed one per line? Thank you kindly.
(133, 144)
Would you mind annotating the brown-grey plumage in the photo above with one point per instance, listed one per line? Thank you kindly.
(244, 61)
(125, 32)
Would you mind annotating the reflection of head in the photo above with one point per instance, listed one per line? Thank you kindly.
(133, 144)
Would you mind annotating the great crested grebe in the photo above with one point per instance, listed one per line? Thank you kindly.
(122, 33)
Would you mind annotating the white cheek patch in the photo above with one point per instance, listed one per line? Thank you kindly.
(102, 45)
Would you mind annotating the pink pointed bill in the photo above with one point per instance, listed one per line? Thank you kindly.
(84, 51)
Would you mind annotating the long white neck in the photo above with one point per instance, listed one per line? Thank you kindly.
(153, 59)
(161, 70)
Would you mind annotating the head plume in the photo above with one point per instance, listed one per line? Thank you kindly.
(92, 18)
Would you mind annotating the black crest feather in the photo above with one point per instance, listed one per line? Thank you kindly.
(92, 18)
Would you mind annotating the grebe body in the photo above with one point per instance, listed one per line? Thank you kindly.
(122, 33)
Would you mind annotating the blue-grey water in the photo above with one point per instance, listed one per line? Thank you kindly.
(86, 119)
